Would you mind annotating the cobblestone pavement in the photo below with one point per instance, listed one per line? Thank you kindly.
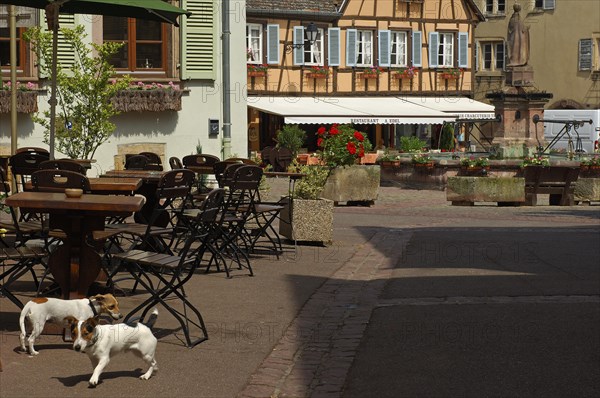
(310, 323)
(333, 322)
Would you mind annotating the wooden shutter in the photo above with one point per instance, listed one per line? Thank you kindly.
(334, 47)
(351, 50)
(463, 49)
(65, 56)
(198, 40)
(434, 49)
(417, 46)
(477, 44)
(298, 45)
(549, 4)
(384, 47)
(585, 54)
(273, 44)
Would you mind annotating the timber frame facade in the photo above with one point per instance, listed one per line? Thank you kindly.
(365, 48)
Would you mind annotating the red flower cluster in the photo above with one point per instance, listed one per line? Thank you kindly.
(354, 143)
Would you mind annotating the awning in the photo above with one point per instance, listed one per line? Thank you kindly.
(357, 110)
(462, 108)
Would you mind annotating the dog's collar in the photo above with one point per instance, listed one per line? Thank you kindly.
(93, 307)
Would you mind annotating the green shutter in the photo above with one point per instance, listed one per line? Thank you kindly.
(198, 40)
(65, 56)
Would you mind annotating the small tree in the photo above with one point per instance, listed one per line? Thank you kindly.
(84, 94)
(447, 137)
(291, 137)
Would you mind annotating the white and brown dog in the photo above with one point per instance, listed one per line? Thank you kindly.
(41, 310)
(100, 342)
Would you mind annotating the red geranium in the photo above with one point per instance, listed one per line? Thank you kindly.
(333, 130)
(359, 136)
(351, 148)
(321, 130)
(320, 142)
(361, 151)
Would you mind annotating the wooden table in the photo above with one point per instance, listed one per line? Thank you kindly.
(75, 264)
(150, 179)
(108, 186)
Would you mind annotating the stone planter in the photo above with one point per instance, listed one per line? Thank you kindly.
(463, 191)
(587, 190)
(26, 101)
(148, 100)
(308, 221)
(357, 183)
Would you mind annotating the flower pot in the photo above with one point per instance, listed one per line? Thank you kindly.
(357, 183)
(424, 166)
(26, 101)
(404, 76)
(158, 100)
(256, 74)
(390, 163)
(474, 170)
(316, 75)
(307, 220)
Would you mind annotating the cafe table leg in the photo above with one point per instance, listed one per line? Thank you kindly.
(75, 265)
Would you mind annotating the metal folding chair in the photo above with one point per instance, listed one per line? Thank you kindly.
(173, 271)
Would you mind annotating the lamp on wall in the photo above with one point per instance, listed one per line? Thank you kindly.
(310, 34)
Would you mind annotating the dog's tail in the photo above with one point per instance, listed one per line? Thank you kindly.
(152, 320)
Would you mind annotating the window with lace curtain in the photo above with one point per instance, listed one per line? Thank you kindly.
(313, 54)
(364, 52)
(398, 49)
(254, 43)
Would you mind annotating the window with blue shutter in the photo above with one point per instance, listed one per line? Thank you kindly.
(272, 44)
(417, 44)
(298, 45)
(433, 49)
(384, 47)
(351, 50)
(334, 47)
(463, 49)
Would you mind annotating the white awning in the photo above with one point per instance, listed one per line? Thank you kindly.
(460, 107)
(357, 110)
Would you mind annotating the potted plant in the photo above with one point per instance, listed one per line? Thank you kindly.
(289, 141)
(318, 72)
(539, 161)
(341, 149)
(422, 161)
(475, 166)
(388, 160)
(408, 72)
(84, 94)
(372, 72)
(451, 73)
(591, 166)
(26, 97)
(257, 70)
(411, 144)
(307, 216)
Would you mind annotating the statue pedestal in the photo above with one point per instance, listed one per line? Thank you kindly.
(516, 135)
(519, 76)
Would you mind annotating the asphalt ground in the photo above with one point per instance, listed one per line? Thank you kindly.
(415, 298)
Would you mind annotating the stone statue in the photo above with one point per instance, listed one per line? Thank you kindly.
(517, 39)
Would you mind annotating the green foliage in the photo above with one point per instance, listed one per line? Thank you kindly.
(341, 145)
(475, 162)
(421, 158)
(311, 185)
(291, 137)
(535, 161)
(411, 144)
(447, 137)
(84, 94)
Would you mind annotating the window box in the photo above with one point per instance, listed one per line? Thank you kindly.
(26, 101)
(404, 75)
(158, 100)
(316, 75)
(450, 76)
(256, 74)
(370, 75)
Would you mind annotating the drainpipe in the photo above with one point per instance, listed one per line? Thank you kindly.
(226, 82)
(12, 12)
